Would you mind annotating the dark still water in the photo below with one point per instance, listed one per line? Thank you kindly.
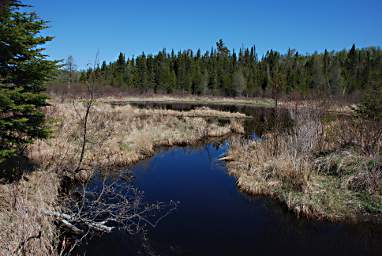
(214, 218)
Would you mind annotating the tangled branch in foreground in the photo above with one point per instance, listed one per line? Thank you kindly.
(103, 206)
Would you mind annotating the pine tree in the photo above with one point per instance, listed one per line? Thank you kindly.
(340, 72)
(204, 82)
(103, 66)
(196, 80)
(142, 74)
(222, 49)
(166, 78)
(23, 71)
(351, 65)
(121, 60)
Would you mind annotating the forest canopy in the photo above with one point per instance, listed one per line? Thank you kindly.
(225, 72)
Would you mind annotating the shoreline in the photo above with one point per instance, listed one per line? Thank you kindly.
(311, 171)
(118, 137)
(163, 99)
(121, 136)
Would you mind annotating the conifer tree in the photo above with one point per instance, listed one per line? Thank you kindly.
(121, 60)
(216, 72)
(24, 69)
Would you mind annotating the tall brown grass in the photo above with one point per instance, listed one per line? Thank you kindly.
(24, 229)
(117, 136)
(123, 135)
(318, 168)
(279, 159)
(261, 102)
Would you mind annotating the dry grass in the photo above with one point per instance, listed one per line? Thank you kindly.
(117, 137)
(301, 168)
(260, 102)
(334, 107)
(24, 229)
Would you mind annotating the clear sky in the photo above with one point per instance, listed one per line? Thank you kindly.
(82, 27)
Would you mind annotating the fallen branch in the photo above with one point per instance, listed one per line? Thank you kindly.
(68, 221)
(226, 158)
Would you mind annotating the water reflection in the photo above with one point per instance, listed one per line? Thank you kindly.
(214, 218)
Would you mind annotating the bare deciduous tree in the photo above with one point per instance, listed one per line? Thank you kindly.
(89, 103)
(70, 68)
(101, 208)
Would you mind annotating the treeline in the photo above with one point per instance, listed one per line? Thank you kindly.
(231, 73)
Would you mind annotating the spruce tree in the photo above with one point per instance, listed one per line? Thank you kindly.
(121, 60)
(337, 73)
(24, 69)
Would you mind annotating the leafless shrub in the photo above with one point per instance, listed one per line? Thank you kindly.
(355, 132)
(101, 208)
(319, 167)
(281, 158)
(307, 132)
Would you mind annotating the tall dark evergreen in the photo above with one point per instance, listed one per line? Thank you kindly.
(225, 72)
(23, 70)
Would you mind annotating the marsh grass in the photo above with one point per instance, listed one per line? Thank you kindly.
(313, 169)
(117, 137)
(259, 102)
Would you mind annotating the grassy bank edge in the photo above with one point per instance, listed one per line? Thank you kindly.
(256, 102)
(318, 168)
(304, 204)
(25, 229)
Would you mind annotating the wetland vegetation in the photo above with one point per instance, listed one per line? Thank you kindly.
(188, 153)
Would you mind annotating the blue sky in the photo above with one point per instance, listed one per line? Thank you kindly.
(82, 27)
